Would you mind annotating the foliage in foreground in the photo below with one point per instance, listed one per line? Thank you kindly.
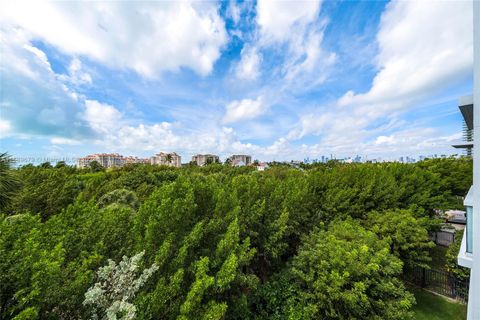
(406, 235)
(344, 272)
(111, 296)
(229, 243)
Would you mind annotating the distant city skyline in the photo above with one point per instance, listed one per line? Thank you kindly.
(345, 78)
(36, 160)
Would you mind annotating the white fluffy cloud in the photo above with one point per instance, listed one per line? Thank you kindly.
(249, 64)
(148, 37)
(296, 29)
(5, 128)
(76, 75)
(38, 103)
(309, 62)
(418, 140)
(64, 141)
(424, 47)
(101, 117)
(234, 11)
(34, 101)
(171, 136)
(288, 41)
(245, 109)
(279, 19)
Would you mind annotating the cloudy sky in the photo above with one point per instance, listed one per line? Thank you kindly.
(278, 80)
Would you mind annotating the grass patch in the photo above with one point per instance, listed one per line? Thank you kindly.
(433, 307)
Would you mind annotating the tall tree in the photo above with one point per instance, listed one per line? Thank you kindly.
(346, 272)
(9, 182)
(406, 234)
(169, 158)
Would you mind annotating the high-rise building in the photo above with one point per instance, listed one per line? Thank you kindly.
(466, 108)
(203, 159)
(167, 159)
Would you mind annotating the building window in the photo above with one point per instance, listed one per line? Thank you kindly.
(469, 229)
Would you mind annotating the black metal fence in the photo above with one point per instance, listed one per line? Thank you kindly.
(440, 282)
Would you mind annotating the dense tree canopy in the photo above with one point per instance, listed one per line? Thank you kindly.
(406, 235)
(328, 241)
(346, 272)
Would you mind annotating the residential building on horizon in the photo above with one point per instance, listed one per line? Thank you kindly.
(203, 159)
(262, 166)
(240, 159)
(108, 160)
(167, 159)
(132, 160)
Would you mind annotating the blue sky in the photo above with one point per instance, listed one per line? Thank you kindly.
(276, 79)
